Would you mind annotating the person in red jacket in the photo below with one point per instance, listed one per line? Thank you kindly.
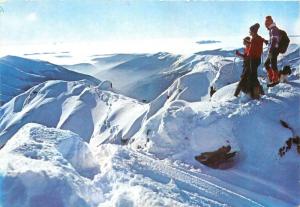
(255, 52)
(247, 44)
(242, 85)
(256, 49)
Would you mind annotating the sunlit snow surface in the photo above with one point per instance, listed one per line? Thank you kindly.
(73, 142)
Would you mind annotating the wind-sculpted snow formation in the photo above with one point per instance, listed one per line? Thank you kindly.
(92, 146)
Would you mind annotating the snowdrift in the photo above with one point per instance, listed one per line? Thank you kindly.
(52, 167)
(182, 130)
(47, 167)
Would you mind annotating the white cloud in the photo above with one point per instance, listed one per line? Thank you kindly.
(31, 17)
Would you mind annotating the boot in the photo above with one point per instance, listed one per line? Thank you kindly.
(237, 92)
(262, 92)
(275, 78)
(255, 92)
(270, 75)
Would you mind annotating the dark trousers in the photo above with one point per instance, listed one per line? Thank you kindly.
(243, 84)
(254, 63)
(249, 81)
(271, 61)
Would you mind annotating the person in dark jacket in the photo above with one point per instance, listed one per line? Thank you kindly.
(242, 85)
(271, 61)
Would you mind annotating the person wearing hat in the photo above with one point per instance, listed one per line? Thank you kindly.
(242, 85)
(256, 48)
(255, 52)
(271, 61)
(246, 43)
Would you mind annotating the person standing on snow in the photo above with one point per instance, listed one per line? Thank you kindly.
(242, 85)
(255, 52)
(271, 61)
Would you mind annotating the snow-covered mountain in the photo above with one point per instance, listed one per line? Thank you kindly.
(19, 74)
(106, 149)
(80, 106)
(146, 76)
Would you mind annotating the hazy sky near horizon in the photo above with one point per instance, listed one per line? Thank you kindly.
(41, 21)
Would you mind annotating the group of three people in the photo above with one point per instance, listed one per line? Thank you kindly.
(252, 59)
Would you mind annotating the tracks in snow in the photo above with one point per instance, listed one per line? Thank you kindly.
(196, 185)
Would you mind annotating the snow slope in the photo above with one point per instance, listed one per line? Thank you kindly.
(146, 76)
(144, 152)
(71, 105)
(47, 167)
(19, 74)
(97, 63)
(141, 76)
(143, 180)
(56, 168)
(182, 130)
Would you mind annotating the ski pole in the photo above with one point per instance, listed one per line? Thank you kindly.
(233, 65)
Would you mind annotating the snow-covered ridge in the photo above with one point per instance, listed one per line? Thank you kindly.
(146, 76)
(19, 74)
(80, 106)
(69, 104)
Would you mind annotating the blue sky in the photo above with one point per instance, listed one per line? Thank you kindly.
(91, 20)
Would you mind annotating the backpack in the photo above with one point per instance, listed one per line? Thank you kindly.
(284, 41)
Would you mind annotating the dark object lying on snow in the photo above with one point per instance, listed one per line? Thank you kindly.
(288, 144)
(284, 124)
(218, 158)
